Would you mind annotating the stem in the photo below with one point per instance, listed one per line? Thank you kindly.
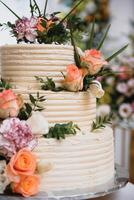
(31, 7)
(37, 7)
(10, 10)
(81, 1)
(45, 7)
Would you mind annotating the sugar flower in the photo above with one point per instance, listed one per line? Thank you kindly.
(38, 123)
(96, 89)
(26, 29)
(125, 110)
(15, 135)
(10, 104)
(74, 78)
(94, 60)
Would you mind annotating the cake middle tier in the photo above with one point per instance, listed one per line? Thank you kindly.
(63, 107)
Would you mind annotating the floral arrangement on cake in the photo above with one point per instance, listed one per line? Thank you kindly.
(120, 90)
(20, 171)
(22, 122)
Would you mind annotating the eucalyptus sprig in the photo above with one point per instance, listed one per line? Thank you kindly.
(4, 85)
(101, 122)
(34, 105)
(48, 84)
(60, 131)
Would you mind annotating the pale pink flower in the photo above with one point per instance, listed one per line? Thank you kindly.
(125, 110)
(26, 29)
(122, 88)
(15, 135)
(130, 83)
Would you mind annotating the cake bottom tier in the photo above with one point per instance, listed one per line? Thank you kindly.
(80, 161)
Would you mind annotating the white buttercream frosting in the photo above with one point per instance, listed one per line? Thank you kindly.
(79, 161)
(63, 107)
(20, 63)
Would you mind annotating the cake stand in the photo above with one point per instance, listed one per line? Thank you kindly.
(120, 180)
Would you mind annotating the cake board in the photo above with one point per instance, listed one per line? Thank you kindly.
(120, 180)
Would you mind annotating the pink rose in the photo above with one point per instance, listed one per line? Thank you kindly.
(74, 78)
(94, 60)
(10, 104)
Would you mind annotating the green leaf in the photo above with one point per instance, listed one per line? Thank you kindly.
(37, 7)
(10, 10)
(32, 99)
(101, 122)
(48, 84)
(103, 38)
(59, 131)
(76, 54)
(91, 35)
(28, 108)
(71, 11)
(116, 53)
(4, 85)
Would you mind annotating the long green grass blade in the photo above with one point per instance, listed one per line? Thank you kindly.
(45, 7)
(10, 10)
(81, 1)
(117, 53)
(37, 7)
(31, 7)
(91, 35)
(76, 54)
(103, 38)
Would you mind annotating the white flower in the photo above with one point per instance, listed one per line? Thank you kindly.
(38, 123)
(4, 181)
(96, 89)
(103, 110)
(122, 88)
(125, 110)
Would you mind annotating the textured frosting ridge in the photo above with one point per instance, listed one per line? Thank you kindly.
(62, 107)
(80, 161)
(20, 63)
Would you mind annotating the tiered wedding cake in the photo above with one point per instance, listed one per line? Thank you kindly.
(80, 161)
(50, 137)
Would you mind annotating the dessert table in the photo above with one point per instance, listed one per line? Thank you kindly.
(122, 194)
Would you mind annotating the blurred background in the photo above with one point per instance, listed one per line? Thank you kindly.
(119, 95)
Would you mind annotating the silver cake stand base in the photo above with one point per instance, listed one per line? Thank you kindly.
(119, 181)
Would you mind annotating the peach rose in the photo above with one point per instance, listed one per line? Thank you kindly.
(40, 27)
(94, 60)
(74, 78)
(23, 163)
(10, 104)
(28, 185)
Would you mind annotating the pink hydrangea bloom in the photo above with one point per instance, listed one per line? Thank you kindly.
(26, 28)
(15, 135)
(122, 87)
